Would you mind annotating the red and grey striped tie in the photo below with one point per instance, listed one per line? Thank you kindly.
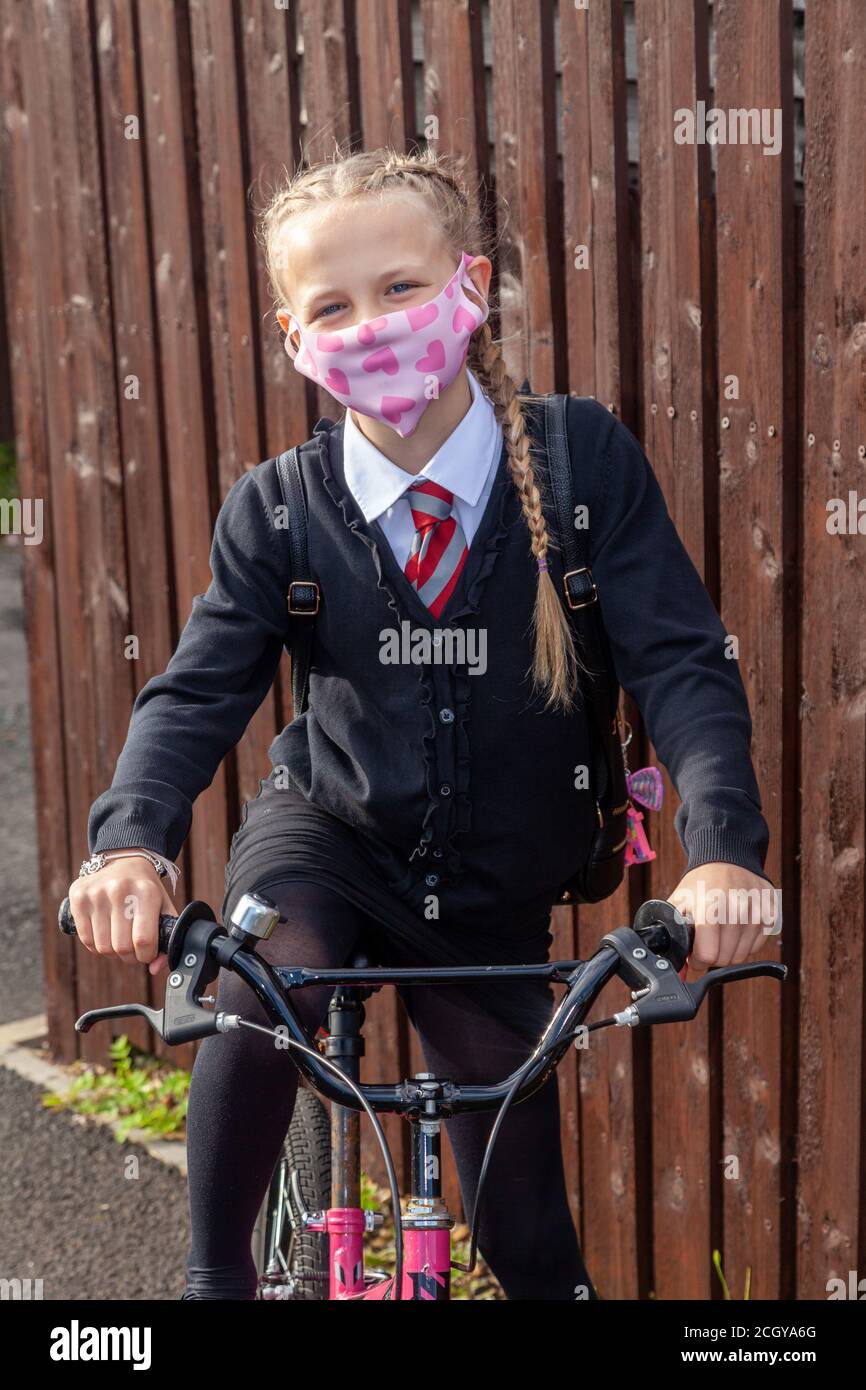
(439, 546)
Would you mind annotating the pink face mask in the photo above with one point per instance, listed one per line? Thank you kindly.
(392, 367)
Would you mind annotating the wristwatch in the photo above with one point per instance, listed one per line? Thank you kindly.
(99, 861)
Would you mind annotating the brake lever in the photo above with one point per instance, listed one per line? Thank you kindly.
(153, 1016)
(659, 995)
(182, 1019)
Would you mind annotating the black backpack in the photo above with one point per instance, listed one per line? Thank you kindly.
(603, 868)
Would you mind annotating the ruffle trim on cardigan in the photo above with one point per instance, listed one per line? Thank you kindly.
(461, 804)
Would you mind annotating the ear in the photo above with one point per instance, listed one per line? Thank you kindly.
(283, 319)
(480, 271)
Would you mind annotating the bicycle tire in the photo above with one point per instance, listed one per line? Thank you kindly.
(303, 1253)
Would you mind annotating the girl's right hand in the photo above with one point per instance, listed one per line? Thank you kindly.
(117, 911)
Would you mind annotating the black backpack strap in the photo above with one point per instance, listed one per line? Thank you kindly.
(303, 596)
(579, 593)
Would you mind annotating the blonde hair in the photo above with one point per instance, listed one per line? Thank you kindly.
(438, 180)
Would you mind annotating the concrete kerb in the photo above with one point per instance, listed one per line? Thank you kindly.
(18, 1055)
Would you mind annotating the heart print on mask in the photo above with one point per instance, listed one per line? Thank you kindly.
(385, 367)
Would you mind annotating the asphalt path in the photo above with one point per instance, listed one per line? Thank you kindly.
(91, 1218)
(20, 945)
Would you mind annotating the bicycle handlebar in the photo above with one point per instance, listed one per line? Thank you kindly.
(646, 957)
(66, 923)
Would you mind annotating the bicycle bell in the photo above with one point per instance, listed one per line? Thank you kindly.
(254, 915)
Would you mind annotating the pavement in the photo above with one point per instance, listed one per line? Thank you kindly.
(91, 1217)
(20, 945)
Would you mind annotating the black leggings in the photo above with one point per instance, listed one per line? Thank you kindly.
(242, 1095)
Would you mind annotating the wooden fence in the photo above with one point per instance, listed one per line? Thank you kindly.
(147, 374)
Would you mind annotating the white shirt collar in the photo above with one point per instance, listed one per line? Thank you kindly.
(461, 464)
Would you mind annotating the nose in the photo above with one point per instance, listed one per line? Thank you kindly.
(366, 308)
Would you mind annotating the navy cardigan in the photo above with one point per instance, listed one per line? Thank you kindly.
(437, 760)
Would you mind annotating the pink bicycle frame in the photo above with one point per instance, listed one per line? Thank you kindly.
(426, 1258)
(426, 1223)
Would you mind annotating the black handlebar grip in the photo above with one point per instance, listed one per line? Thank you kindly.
(679, 941)
(66, 923)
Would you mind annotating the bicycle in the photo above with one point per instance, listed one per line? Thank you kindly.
(299, 1249)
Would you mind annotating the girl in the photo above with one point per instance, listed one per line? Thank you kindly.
(431, 804)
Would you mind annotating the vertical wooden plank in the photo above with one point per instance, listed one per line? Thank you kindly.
(81, 419)
(610, 1116)
(23, 211)
(563, 928)
(454, 118)
(151, 599)
(7, 424)
(223, 197)
(329, 74)
(178, 279)
(150, 580)
(273, 140)
(385, 75)
(529, 252)
(830, 1196)
(231, 309)
(330, 102)
(595, 205)
(672, 74)
(754, 218)
(596, 216)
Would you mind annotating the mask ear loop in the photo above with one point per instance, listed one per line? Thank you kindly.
(289, 345)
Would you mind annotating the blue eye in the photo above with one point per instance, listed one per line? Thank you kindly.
(404, 284)
(324, 310)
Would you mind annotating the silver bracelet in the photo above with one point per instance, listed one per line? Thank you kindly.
(164, 867)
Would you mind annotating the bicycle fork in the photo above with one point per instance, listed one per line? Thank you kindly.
(427, 1223)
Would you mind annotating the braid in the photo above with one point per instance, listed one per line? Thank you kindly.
(555, 660)
(427, 165)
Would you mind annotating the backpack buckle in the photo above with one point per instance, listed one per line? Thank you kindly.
(580, 589)
(303, 598)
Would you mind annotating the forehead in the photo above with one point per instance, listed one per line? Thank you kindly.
(334, 243)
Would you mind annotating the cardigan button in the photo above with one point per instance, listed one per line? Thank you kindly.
(431, 880)
(446, 716)
(445, 789)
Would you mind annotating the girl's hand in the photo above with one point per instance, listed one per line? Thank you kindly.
(733, 910)
(117, 912)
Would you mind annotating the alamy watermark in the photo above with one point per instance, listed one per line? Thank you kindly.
(22, 517)
(423, 646)
(736, 126)
(735, 906)
(847, 517)
(20, 1289)
(852, 1288)
(77, 1343)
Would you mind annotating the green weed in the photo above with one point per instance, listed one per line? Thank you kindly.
(140, 1093)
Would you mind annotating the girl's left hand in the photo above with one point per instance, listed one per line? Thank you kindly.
(733, 910)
